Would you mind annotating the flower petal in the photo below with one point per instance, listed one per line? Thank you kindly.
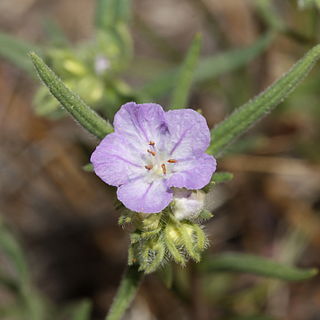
(140, 123)
(189, 133)
(193, 173)
(116, 162)
(141, 196)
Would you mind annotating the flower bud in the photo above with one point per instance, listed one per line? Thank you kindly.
(187, 204)
(147, 222)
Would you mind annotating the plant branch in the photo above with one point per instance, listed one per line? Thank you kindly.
(126, 292)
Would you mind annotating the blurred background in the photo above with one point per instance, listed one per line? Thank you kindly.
(64, 218)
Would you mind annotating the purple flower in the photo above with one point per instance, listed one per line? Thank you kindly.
(152, 151)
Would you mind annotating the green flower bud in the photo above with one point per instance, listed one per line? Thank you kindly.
(185, 239)
(74, 67)
(160, 237)
(153, 253)
(147, 222)
(89, 88)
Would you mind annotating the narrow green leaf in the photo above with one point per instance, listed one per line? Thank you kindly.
(218, 177)
(56, 35)
(208, 68)
(88, 118)
(10, 246)
(16, 51)
(35, 305)
(308, 3)
(269, 14)
(185, 76)
(111, 12)
(32, 303)
(214, 66)
(82, 311)
(237, 262)
(245, 116)
(11, 311)
(8, 283)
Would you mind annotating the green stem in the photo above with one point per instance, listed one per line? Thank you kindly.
(126, 292)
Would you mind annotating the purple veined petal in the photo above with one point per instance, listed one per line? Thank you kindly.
(189, 133)
(116, 162)
(193, 173)
(141, 123)
(141, 196)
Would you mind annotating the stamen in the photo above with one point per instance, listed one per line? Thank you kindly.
(164, 169)
(151, 152)
(172, 161)
(151, 143)
(149, 167)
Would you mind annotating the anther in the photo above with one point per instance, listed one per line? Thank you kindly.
(164, 169)
(151, 143)
(172, 161)
(151, 152)
(149, 167)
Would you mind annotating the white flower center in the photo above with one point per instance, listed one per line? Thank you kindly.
(158, 163)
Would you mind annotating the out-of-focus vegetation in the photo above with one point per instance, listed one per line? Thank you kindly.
(65, 219)
(21, 299)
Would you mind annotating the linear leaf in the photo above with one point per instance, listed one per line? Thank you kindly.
(8, 282)
(245, 116)
(238, 262)
(35, 305)
(88, 118)
(208, 68)
(269, 14)
(308, 3)
(55, 34)
(32, 303)
(185, 75)
(218, 177)
(214, 66)
(82, 311)
(16, 51)
(11, 311)
(12, 249)
(111, 12)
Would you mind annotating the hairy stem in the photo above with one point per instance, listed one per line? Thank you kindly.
(126, 292)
